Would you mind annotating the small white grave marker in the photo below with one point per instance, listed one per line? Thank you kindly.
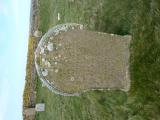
(40, 107)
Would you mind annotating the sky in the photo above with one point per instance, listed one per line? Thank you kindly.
(14, 32)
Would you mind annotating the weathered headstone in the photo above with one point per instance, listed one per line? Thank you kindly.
(84, 60)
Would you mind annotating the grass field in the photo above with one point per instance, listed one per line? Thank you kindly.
(141, 19)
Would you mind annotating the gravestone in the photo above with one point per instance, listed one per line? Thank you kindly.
(82, 60)
(40, 107)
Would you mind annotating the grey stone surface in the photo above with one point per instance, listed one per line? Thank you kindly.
(120, 44)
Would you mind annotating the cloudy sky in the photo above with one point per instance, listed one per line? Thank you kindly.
(14, 27)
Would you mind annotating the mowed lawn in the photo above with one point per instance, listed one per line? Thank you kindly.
(141, 19)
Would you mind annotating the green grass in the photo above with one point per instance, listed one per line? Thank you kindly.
(99, 15)
(92, 105)
(141, 19)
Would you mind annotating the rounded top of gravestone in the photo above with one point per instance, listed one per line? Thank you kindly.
(70, 60)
